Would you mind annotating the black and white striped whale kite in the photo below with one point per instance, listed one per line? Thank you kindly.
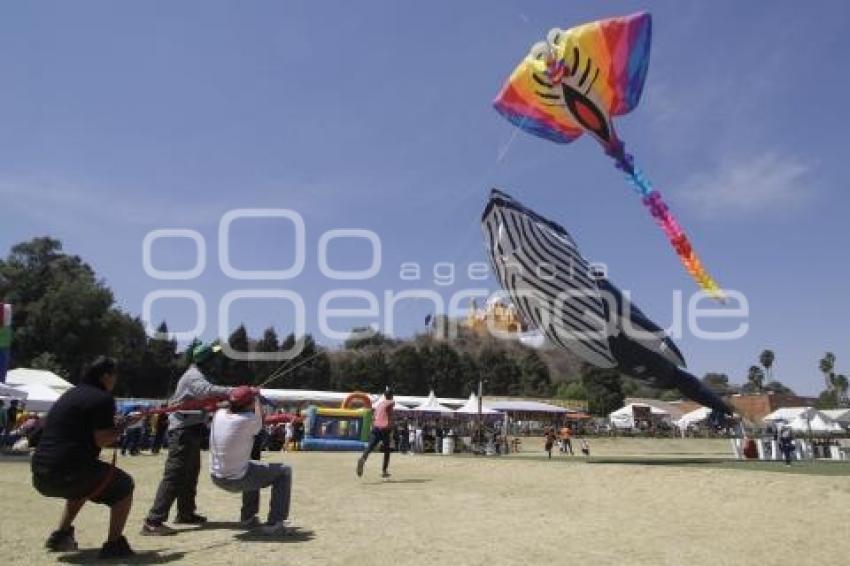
(539, 265)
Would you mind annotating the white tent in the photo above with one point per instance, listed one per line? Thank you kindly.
(841, 416)
(788, 414)
(694, 417)
(336, 397)
(397, 407)
(527, 407)
(40, 398)
(9, 392)
(625, 417)
(24, 376)
(816, 422)
(471, 407)
(430, 405)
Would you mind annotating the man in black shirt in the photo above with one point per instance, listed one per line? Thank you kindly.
(66, 462)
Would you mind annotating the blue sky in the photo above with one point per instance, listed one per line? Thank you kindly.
(121, 119)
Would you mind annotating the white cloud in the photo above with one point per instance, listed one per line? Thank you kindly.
(768, 182)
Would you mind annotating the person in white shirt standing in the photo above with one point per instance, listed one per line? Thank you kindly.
(231, 468)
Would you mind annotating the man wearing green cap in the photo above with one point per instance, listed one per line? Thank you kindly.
(185, 433)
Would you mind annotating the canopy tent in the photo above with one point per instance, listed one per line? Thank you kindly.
(816, 423)
(9, 392)
(841, 416)
(432, 406)
(526, 407)
(694, 417)
(397, 407)
(334, 398)
(471, 407)
(40, 398)
(788, 414)
(25, 376)
(625, 416)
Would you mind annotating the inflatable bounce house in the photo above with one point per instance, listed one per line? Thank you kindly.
(345, 428)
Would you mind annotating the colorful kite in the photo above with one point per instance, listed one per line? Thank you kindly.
(553, 288)
(574, 82)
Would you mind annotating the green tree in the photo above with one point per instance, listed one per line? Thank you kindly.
(233, 371)
(827, 400)
(444, 371)
(604, 390)
(470, 373)
(161, 363)
(500, 372)
(778, 387)
(534, 376)
(266, 345)
(766, 359)
(48, 362)
(755, 379)
(839, 386)
(60, 305)
(365, 337)
(826, 366)
(572, 390)
(408, 373)
(717, 382)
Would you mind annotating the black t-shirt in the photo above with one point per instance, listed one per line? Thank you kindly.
(67, 443)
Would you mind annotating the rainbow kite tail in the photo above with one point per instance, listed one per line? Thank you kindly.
(664, 218)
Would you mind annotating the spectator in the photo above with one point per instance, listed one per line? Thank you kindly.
(12, 414)
(298, 434)
(132, 438)
(786, 444)
(585, 447)
(549, 436)
(160, 427)
(3, 424)
(66, 464)
(288, 435)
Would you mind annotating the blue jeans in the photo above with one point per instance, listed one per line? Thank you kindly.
(258, 476)
(379, 436)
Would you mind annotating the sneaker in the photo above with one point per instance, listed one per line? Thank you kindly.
(360, 463)
(118, 548)
(61, 541)
(154, 529)
(385, 475)
(273, 530)
(193, 519)
(251, 523)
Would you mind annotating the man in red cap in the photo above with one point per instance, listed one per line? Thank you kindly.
(232, 469)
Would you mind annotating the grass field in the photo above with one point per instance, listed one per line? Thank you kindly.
(638, 501)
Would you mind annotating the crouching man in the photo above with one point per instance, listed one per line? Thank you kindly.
(66, 463)
(231, 468)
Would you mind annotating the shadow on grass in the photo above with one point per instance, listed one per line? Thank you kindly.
(89, 556)
(12, 457)
(221, 525)
(293, 535)
(817, 468)
(398, 482)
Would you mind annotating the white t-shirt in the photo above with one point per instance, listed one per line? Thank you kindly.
(231, 439)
